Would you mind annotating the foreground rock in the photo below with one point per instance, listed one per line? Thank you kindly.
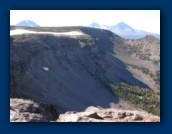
(22, 110)
(93, 114)
(29, 111)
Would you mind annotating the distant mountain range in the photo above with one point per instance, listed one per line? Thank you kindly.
(124, 30)
(27, 23)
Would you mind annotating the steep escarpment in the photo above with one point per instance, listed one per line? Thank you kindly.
(69, 72)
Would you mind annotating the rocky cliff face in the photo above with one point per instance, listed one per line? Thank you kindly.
(68, 72)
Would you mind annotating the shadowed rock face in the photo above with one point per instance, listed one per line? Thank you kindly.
(69, 72)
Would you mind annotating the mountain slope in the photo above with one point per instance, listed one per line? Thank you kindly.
(27, 23)
(70, 72)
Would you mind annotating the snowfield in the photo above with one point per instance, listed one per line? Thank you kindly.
(46, 68)
(20, 31)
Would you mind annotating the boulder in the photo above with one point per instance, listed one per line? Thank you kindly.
(22, 110)
(137, 117)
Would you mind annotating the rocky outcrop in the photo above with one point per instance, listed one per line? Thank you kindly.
(93, 114)
(22, 110)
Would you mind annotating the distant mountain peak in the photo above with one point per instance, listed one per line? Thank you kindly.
(122, 23)
(27, 23)
(121, 26)
(94, 24)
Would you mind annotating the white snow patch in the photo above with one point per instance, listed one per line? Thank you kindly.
(20, 31)
(71, 33)
(46, 68)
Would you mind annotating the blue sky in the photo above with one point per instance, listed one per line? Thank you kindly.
(148, 20)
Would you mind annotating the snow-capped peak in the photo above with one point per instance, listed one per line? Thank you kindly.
(27, 23)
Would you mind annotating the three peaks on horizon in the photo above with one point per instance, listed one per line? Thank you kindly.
(122, 29)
